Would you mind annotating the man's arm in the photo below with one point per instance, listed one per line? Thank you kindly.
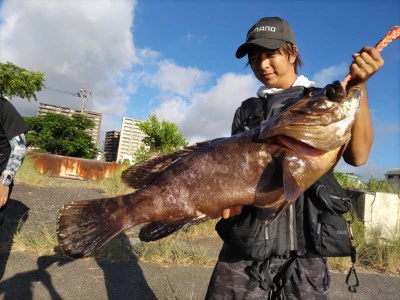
(365, 64)
(17, 155)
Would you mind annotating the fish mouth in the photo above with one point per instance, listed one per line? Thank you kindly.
(335, 91)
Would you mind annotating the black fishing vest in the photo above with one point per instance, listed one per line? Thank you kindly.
(298, 229)
(286, 234)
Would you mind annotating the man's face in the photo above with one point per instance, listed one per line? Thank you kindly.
(273, 68)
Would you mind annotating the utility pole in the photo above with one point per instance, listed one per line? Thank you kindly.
(83, 93)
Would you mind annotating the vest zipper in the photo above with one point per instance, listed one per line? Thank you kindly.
(291, 229)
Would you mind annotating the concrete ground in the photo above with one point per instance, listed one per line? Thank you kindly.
(25, 276)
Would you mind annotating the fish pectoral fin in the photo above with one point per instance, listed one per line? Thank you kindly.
(291, 188)
(157, 230)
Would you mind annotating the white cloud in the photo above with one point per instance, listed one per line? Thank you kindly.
(76, 44)
(209, 115)
(148, 56)
(173, 78)
(328, 75)
(191, 37)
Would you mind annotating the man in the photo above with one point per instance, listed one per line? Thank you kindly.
(274, 59)
(12, 150)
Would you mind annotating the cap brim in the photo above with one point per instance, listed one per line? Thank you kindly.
(269, 44)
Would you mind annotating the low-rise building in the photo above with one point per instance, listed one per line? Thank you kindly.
(393, 177)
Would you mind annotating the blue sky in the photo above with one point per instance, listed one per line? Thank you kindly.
(177, 59)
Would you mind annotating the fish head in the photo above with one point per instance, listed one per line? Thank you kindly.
(326, 106)
(309, 138)
(322, 119)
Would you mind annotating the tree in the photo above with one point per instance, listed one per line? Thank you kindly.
(161, 137)
(16, 81)
(61, 135)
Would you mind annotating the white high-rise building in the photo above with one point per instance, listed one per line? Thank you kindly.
(130, 139)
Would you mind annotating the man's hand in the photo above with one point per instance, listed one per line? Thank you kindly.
(230, 212)
(365, 64)
(4, 190)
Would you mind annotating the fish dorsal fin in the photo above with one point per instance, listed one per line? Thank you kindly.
(141, 174)
(157, 230)
(291, 188)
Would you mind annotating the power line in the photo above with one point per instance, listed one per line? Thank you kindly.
(81, 94)
(76, 94)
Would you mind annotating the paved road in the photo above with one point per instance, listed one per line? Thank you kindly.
(24, 276)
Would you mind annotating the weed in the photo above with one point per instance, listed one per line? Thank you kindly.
(201, 230)
(29, 175)
(112, 186)
(173, 250)
(182, 247)
(40, 241)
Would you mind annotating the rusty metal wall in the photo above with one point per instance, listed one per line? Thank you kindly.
(72, 167)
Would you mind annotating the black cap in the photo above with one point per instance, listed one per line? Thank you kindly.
(270, 33)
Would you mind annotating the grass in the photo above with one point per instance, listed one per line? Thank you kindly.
(174, 250)
(112, 186)
(372, 185)
(180, 248)
(41, 241)
(29, 175)
(375, 185)
(381, 254)
(184, 248)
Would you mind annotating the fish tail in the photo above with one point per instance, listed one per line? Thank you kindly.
(84, 226)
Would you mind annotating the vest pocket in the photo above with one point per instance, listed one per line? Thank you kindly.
(250, 236)
(328, 234)
(331, 236)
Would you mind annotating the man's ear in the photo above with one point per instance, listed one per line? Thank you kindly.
(293, 58)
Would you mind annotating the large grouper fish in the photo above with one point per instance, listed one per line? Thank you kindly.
(269, 167)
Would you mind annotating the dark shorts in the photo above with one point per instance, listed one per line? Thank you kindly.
(309, 279)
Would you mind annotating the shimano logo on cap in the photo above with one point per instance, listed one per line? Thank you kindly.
(262, 28)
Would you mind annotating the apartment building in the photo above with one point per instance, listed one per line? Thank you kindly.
(95, 117)
(130, 139)
(111, 144)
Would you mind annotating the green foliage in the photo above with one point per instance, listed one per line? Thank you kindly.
(142, 154)
(126, 161)
(16, 81)
(161, 137)
(382, 254)
(376, 185)
(373, 184)
(61, 135)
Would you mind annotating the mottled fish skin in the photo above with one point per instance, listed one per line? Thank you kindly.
(269, 166)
